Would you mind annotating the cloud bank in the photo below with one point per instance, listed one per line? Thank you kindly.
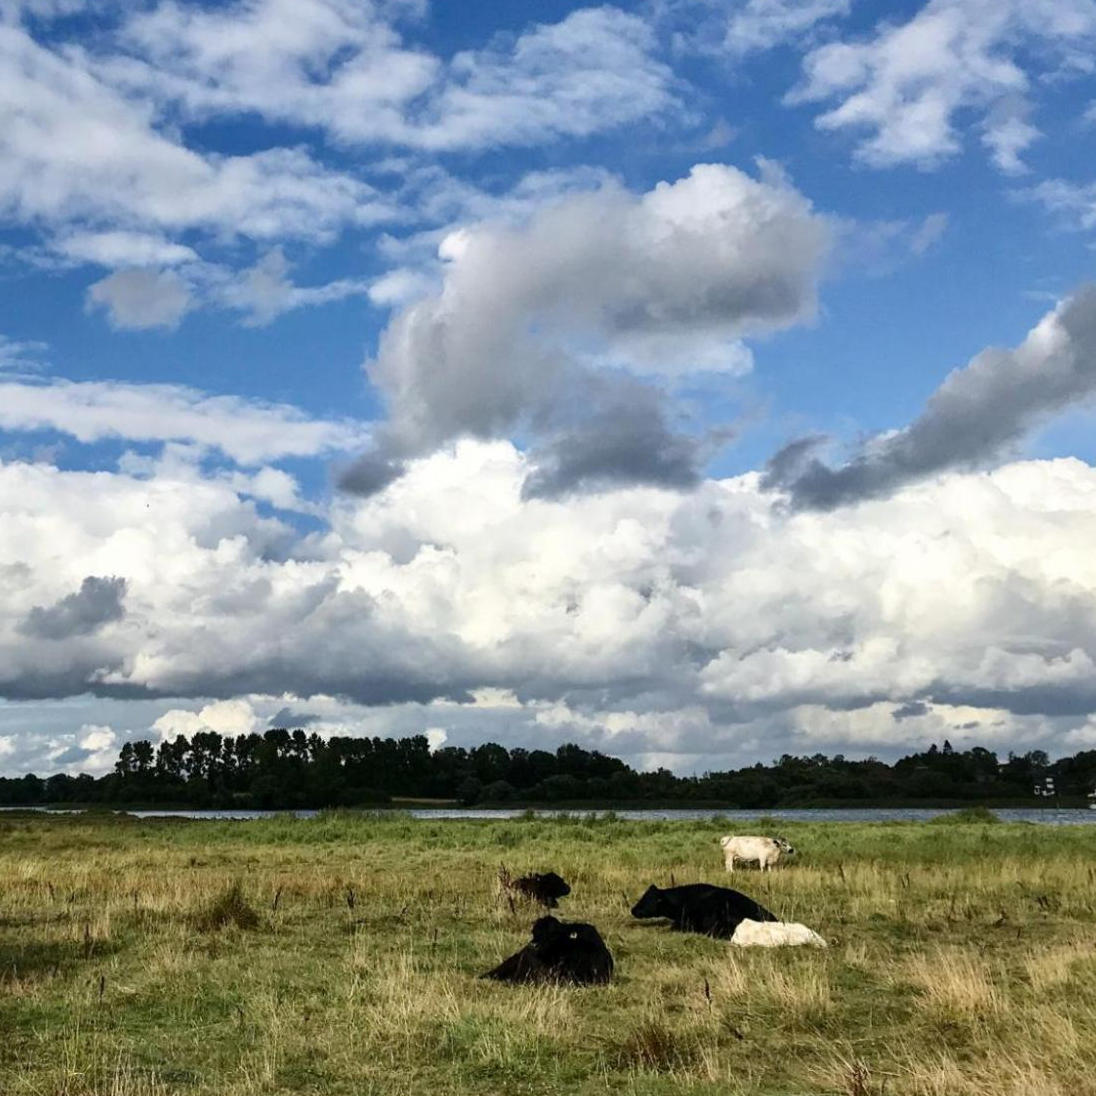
(700, 625)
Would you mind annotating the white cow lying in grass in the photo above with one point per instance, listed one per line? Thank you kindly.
(775, 934)
(764, 851)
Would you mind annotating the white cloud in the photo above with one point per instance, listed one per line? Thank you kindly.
(762, 24)
(141, 299)
(928, 233)
(123, 249)
(338, 65)
(749, 26)
(75, 152)
(21, 355)
(266, 290)
(95, 153)
(400, 287)
(248, 431)
(14, 10)
(1073, 203)
(1008, 134)
(901, 90)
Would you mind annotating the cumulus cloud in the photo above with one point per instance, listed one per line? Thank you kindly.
(341, 66)
(598, 285)
(248, 431)
(141, 299)
(98, 602)
(226, 717)
(974, 416)
(705, 627)
(901, 90)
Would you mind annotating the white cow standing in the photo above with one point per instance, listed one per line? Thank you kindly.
(764, 851)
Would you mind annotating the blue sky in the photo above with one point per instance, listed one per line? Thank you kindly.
(380, 299)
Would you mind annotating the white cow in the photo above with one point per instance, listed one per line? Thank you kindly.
(765, 851)
(775, 934)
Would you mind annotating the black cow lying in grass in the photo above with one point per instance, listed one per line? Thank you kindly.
(544, 889)
(559, 952)
(700, 907)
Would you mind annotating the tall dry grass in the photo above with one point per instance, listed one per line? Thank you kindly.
(962, 962)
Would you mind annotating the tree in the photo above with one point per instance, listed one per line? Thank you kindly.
(470, 791)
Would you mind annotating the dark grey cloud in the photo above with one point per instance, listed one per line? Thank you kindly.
(287, 717)
(626, 440)
(910, 710)
(1074, 698)
(99, 601)
(74, 755)
(976, 415)
(373, 471)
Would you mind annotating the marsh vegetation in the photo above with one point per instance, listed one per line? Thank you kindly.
(340, 955)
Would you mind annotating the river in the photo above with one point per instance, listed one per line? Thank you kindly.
(1045, 815)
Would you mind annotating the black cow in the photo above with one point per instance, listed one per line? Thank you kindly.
(701, 907)
(544, 888)
(559, 952)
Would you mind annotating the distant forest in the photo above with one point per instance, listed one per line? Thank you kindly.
(284, 769)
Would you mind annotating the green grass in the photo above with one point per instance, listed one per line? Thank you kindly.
(339, 955)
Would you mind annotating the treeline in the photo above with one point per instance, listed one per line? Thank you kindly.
(284, 769)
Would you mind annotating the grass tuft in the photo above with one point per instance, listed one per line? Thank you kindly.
(653, 1046)
(230, 907)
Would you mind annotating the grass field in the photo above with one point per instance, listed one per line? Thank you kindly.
(963, 961)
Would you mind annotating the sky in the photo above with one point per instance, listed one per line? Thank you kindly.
(696, 380)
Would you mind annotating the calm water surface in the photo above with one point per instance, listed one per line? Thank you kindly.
(1048, 816)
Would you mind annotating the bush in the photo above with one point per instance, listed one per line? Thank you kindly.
(498, 791)
(230, 907)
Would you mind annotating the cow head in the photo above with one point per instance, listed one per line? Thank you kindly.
(546, 929)
(725, 841)
(784, 846)
(650, 905)
(552, 886)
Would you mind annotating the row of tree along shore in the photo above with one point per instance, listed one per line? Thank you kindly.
(285, 769)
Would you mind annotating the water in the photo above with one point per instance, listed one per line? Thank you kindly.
(1048, 816)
